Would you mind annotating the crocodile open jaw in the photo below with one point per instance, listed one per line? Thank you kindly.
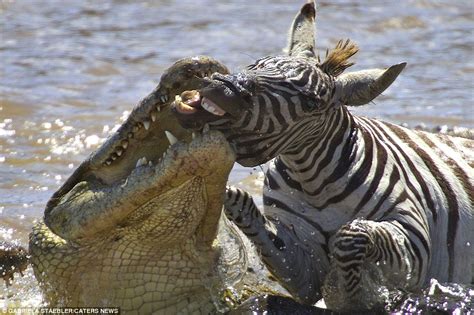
(134, 225)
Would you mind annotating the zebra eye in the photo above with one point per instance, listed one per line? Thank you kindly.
(309, 104)
(249, 86)
(247, 97)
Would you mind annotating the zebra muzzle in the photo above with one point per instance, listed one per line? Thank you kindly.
(216, 101)
(189, 102)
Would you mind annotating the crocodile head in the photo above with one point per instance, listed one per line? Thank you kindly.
(133, 227)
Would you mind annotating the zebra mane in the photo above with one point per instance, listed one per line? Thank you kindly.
(336, 60)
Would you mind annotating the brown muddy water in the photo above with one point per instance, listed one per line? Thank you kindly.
(70, 71)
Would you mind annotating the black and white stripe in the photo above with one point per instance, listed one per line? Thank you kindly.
(344, 192)
(355, 183)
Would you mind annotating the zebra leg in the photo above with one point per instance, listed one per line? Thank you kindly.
(368, 258)
(240, 208)
(291, 261)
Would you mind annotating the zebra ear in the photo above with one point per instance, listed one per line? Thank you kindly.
(301, 35)
(361, 87)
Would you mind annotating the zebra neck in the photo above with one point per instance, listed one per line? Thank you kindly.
(318, 166)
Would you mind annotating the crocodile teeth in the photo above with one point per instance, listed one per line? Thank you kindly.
(164, 98)
(124, 144)
(153, 116)
(158, 108)
(142, 161)
(150, 163)
(212, 107)
(206, 128)
(125, 182)
(119, 152)
(108, 162)
(194, 135)
(171, 138)
(146, 124)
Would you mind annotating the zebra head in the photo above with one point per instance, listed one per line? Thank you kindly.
(267, 108)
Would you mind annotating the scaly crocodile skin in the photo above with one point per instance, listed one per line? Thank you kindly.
(139, 238)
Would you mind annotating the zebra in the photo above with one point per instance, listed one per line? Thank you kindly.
(350, 203)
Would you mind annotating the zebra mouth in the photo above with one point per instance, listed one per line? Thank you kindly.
(190, 102)
(216, 101)
(193, 110)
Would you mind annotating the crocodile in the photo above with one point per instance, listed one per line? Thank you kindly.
(135, 225)
(121, 232)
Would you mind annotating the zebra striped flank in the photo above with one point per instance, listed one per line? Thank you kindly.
(352, 205)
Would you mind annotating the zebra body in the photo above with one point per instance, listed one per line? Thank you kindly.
(350, 203)
(395, 174)
(420, 184)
